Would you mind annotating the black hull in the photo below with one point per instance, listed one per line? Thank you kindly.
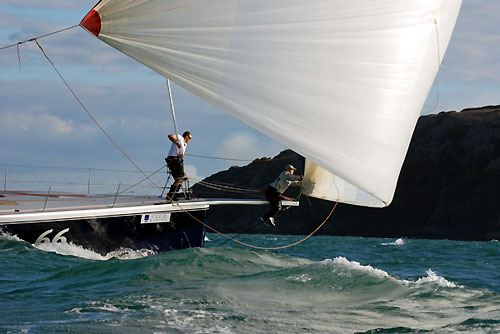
(107, 234)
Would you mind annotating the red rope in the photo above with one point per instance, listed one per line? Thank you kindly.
(265, 248)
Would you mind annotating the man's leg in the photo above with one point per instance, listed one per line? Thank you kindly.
(174, 188)
(273, 210)
(177, 170)
(273, 197)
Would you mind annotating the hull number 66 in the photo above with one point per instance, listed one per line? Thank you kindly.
(58, 238)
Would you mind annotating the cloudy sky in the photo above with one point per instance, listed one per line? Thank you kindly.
(42, 124)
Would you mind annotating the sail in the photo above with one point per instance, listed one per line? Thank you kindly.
(340, 82)
(320, 183)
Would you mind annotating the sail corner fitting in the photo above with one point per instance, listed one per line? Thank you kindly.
(436, 17)
(92, 22)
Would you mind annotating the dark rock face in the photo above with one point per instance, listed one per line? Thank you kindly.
(449, 187)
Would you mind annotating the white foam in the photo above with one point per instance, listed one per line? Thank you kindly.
(432, 277)
(299, 278)
(77, 310)
(195, 321)
(353, 265)
(109, 308)
(99, 306)
(79, 251)
(8, 236)
(130, 254)
(398, 242)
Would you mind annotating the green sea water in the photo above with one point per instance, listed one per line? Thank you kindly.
(324, 285)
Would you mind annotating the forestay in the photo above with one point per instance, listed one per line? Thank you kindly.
(340, 82)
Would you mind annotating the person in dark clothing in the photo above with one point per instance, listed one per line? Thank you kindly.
(175, 160)
(274, 191)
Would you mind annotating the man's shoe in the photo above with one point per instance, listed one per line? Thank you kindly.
(268, 222)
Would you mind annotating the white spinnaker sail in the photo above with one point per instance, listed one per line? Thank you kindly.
(340, 82)
(320, 183)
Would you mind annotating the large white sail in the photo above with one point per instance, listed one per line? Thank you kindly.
(340, 82)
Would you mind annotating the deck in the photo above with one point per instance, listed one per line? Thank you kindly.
(18, 207)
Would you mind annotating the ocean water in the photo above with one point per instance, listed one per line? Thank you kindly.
(324, 285)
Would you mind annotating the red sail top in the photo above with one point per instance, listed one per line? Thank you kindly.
(92, 22)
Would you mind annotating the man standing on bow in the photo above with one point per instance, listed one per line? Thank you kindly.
(275, 189)
(175, 160)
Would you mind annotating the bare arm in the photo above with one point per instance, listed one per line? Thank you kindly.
(173, 138)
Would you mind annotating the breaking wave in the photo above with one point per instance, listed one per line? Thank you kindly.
(79, 251)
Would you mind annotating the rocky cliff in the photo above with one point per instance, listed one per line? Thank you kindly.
(449, 187)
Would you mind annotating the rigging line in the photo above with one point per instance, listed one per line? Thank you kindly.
(74, 168)
(226, 190)
(249, 245)
(229, 190)
(94, 120)
(269, 248)
(133, 185)
(220, 186)
(38, 37)
(216, 158)
(18, 57)
(220, 183)
(234, 159)
(144, 179)
(438, 45)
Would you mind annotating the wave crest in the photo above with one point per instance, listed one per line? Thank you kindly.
(79, 251)
(350, 266)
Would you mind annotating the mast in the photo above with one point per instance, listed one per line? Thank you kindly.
(173, 110)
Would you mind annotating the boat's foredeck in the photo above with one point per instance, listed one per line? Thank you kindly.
(22, 207)
(30, 202)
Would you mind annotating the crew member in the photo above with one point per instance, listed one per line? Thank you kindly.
(275, 189)
(175, 160)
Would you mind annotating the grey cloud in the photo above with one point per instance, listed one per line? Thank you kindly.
(47, 4)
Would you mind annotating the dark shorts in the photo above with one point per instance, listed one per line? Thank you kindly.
(272, 194)
(176, 166)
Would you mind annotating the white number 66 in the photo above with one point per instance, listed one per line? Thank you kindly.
(57, 239)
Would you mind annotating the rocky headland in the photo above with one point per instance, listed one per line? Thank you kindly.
(449, 188)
